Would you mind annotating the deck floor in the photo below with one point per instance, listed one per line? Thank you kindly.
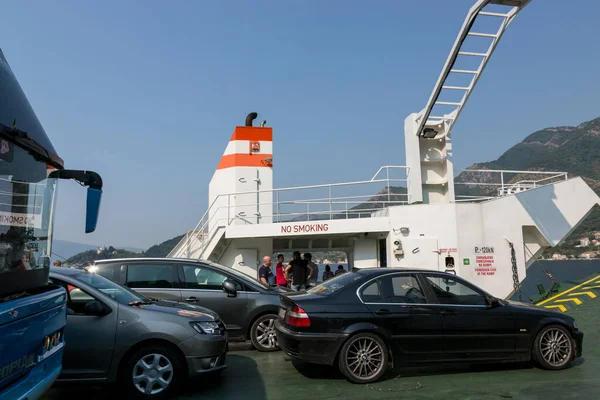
(254, 375)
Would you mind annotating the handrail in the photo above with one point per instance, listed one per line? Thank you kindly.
(204, 233)
(509, 171)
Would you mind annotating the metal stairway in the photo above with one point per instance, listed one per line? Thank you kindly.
(443, 104)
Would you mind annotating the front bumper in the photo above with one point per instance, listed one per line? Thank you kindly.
(205, 353)
(37, 381)
(578, 336)
(317, 348)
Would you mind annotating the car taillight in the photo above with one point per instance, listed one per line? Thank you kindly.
(297, 317)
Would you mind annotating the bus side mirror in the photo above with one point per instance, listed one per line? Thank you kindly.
(92, 208)
(93, 181)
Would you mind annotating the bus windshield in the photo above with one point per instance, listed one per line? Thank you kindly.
(26, 208)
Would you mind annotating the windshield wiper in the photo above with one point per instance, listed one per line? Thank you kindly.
(139, 303)
(23, 140)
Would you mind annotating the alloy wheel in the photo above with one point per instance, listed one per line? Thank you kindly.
(364, 358)
(265, 334)
(555, 347)
(152, 374)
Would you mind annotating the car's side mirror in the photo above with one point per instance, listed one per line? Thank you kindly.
(229, 288)
(494, 302)
(96, 308)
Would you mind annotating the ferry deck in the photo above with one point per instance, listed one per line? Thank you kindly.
(264, 376)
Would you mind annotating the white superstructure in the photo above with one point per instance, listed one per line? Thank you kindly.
(410, 216)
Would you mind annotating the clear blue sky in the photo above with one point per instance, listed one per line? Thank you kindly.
(147, 93)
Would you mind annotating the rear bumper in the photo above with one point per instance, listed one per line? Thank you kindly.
(578, 336)
(317, 348)
(37, 381)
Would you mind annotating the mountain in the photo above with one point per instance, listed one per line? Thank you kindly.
(95, 253)
(571, 149)
(162, 249)
(64, 249)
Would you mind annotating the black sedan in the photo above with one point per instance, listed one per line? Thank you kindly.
(368, 320)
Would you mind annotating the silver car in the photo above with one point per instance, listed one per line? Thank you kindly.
(149, 346)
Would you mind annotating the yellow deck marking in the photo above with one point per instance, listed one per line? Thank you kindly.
(574, 299)
(570, 290)
(559, 306)
(591, 294)
(591, 287)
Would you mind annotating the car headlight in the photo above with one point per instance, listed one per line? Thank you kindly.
(206, 328)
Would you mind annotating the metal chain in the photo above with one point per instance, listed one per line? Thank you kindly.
(551, 292)
(371, 387)
(515, 272)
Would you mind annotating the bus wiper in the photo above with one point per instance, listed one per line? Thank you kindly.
(23, 140)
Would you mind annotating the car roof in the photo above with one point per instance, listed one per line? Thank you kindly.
(136, 259)
(69, 271)
(368, 270)
(230, 270)
(372, 271)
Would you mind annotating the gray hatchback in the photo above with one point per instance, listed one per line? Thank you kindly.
(248, 307)
(114, 334)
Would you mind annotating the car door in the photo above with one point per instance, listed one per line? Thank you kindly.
(153, 279)
(201, 284)
(400, 305)
(473, 329)
(89, 339)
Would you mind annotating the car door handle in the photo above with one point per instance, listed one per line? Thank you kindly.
(191, 299)
(448, 312)
(383, 312)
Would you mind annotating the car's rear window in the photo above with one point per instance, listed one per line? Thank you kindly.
(335, 284)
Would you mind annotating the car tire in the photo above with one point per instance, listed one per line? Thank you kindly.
(262, 333)
(161, 362)
(553, 348)
(363, 352)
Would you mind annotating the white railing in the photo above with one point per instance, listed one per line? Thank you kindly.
(341, 200)
(305, 203)
(504, 182)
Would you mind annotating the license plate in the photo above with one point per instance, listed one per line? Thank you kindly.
(282, 312)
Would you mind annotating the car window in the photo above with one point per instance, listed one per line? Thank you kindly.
(399, 289)
(335, 284)
(113, 290)
(155, 276)
(452, 291)
(196, 277)
(371, 293)
(76, 298)
(109, 271)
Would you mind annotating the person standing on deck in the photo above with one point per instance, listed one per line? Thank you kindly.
(264, 273)
(279, 273)
(300, 275)
(312, 281)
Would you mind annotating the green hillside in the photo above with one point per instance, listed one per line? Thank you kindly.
(158, 250)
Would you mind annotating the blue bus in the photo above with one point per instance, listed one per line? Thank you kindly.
(32, 312)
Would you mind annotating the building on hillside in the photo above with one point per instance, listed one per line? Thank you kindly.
(588, 254)
(584, 242)
(558, 256)
(596, 235)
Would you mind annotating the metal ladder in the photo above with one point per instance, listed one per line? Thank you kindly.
(512, 7)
